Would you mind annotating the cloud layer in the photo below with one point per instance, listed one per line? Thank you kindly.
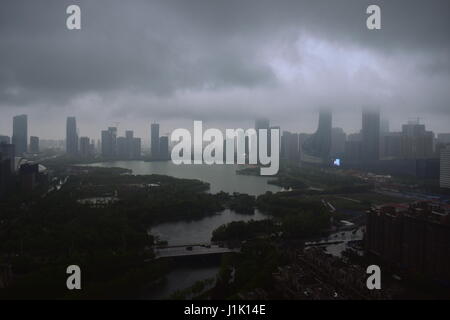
(224, 62)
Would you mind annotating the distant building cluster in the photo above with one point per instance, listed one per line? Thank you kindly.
(413, 151)
(130, 147)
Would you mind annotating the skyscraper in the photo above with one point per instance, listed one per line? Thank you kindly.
(417, 143)
(338, 139)
(7, 151)
(384, 125)
(154, 148)
(164, 148)
(370, 136)
(85, 147)
(444, 176)
(6, 167)
(71, 136)
(5, 139)
(34, 144)
(129, 144)
(291, 147)
(262, 123)
(318, 146)
(20, 134)
(137, 148)
(122, 152)
(109, 142)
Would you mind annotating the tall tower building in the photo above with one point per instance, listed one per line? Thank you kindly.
(85, 147)
(5, 139)
(262, 123)
(109, 142)
(129, 136)
(417, 143)
(370, 135)
(71, 136)
(444, 176)
(164, 148)
(384, 125)
(338, 139)
(154, 148)
(318, 146)
(136, 148)
(34, 144)
(20, 134)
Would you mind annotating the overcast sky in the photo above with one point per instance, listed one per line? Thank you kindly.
(225, 62)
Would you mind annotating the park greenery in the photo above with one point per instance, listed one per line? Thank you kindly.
(99, 218)
(42, 234)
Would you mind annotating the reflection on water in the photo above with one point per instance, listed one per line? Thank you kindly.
(200, 231)
(220, 177)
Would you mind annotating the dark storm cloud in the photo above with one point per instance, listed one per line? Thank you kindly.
(224, 59)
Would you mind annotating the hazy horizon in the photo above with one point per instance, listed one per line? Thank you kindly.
(226, 63)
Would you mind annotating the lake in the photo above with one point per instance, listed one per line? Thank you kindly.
(220, 178)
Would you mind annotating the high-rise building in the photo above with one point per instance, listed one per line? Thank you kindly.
(417, 143)
(338, 138)
(370, 136)
(262, 123)
(5, 139)
(384, 125)
(20, 134)
(85, 147)
(352, 152)
(154, 148)
(444, 175)
(71, 136)
(34, 144)
(136, 148)
(291, 147)
(164, 148)
(443, 138)
(28, 174)
(269, 140)
(8, 153)
(109, 142)
(122, 152)
(7, 167)
(391, 146)
(317, 147)
(5, 171)
(129, 144)
(354, 136)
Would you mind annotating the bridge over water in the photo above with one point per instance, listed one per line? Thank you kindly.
(191, 250)
(207, 249)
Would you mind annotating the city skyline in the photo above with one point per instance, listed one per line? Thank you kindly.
(251, 124)
(218, 151)
(273, 60)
